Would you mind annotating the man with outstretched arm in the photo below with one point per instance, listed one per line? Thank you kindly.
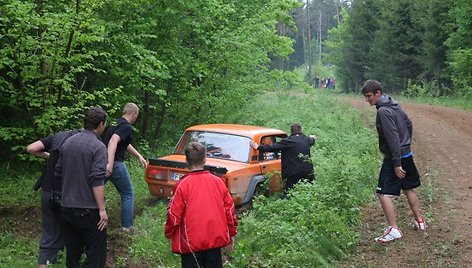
(118, 141)
(296, 156)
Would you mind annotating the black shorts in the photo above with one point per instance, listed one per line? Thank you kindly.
(390, 184)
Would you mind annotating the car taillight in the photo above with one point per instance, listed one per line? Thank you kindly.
(155, 173)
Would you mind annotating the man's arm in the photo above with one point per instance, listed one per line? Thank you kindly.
(111, 150)
(175, 211)
(392, 137)
(390, 132)
(135, 152)
(37, 149)
(274, 147)
(99, 194)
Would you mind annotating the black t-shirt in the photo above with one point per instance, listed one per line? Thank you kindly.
(124, 130)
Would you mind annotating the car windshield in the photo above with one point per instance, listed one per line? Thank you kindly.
(218, 145)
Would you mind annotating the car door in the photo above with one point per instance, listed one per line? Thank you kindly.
(270, 164)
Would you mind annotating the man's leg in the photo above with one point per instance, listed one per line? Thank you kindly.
(122, 181)
(414, 202)
(74, 244)
(389, 209)
(213, 258)
(95, 242)
(52, 235)
(190, 260)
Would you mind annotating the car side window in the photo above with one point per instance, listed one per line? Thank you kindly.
(266, 156)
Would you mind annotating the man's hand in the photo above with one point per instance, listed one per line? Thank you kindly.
(109, 170)
(142, 161)
(313, 136)
(400, 172)
(103, 223)
(253, 144)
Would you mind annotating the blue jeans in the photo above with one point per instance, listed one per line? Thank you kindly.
(122, 180)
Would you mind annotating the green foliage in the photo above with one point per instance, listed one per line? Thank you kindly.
(412, 46)
(318, 218)
(460, 45)
(20, 251)
(17, 188)
(315, 227)
(150, 244)
(45, 60)
(56, 59)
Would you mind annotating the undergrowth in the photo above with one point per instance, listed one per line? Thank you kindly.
(315, 227)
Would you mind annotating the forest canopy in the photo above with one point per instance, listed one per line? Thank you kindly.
(189, 62)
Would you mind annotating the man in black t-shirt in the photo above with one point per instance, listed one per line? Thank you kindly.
(118, 140)
(52, 234)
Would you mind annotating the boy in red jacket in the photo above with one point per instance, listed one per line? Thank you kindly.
(201, 218)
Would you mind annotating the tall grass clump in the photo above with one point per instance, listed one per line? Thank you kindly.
(317, 225)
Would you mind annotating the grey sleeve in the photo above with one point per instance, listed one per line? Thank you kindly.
(392, 137)
(99, 165)
(409, 125)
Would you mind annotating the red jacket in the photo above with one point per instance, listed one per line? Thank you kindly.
(201, 214)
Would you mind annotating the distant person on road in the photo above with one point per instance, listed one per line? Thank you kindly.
(296, 156)
(201, 217)
(118, 140)
(82, 165)
(398, 169)
(52, 234)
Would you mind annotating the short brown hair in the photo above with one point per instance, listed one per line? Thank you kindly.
(195, 154)
(371, 86)
(93, 117)
(296, 128)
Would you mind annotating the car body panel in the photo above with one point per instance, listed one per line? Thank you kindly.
(224, 142)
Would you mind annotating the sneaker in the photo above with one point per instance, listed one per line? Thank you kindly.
(420, 224)
(127, 230)
(390, 234)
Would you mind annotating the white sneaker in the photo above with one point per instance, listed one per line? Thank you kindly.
(420, 224)
(390, 234)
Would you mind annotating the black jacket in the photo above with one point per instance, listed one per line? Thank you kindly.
(395, 129)
(296, 157)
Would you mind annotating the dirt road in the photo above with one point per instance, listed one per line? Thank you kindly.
(442, 145)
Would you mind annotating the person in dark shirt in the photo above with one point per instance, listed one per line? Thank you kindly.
(398, 171)
(82, 166)
(296, 156)
(52, 235)
(118, 140)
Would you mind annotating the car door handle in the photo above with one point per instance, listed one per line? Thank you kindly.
(264, 167)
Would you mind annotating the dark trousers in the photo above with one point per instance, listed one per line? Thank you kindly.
(293, 179)
(52, 234)
(206, 259)
(82, 234)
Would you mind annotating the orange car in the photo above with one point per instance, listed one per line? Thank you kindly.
(229, 156)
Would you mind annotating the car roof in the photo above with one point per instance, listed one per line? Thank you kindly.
(242, 130)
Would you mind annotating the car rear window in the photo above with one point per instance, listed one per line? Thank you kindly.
(218, 145)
